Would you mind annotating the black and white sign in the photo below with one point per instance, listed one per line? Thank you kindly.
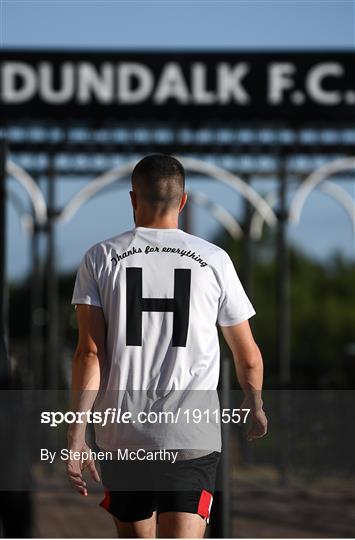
(177, 85)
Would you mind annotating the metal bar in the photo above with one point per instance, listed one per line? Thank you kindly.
(83, 174)
(247, 245)
(283, 322)
(226, 464)
(129, 147)
(221, 509)
(247, 267)
(283, 281)
(51, 361)
(51, 364)
(36, 312)
(4, 357)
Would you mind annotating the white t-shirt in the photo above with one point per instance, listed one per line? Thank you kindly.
(162, 292)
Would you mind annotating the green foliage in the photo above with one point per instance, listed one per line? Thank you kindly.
(322, 319)
(322, 313)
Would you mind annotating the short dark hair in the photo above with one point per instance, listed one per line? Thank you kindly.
(159, 179)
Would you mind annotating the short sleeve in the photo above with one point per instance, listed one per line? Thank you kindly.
(234, 306)
(86, 289)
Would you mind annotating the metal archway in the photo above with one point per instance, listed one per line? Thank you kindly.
(222, 215)
(225, 218)
(35, 194)
(233, 181)
(312, 181)
(329, 188)
(119, 172)
(93, 187)
(26, 219)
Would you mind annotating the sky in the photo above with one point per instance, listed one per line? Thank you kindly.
(164, 25)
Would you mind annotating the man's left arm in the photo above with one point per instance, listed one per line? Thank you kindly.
(90, 351)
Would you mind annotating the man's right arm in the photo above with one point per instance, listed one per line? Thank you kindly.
(249, 368)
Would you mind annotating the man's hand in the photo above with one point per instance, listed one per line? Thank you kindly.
(85, 385)
(75, 468)
(257, 425)
(249, 366)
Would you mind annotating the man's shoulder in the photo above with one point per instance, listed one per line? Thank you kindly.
(106, 245)
(205, 246)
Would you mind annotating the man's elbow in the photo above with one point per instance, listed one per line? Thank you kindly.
(251, 358)
(87, 356)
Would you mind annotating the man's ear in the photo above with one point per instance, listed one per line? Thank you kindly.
(133, 196)
(183, 201)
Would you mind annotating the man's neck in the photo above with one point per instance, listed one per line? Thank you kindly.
(158, 224)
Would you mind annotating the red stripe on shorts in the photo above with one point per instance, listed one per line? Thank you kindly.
(204, 504)
(105, 503)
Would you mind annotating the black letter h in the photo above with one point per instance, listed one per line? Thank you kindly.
(136, 304)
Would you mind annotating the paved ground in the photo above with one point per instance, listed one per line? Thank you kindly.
(63, 513)
(259, 511)
(63, 516)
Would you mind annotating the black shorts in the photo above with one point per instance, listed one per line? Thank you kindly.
(134, 490)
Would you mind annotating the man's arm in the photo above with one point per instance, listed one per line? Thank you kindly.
(249, 368)
(85, 385)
